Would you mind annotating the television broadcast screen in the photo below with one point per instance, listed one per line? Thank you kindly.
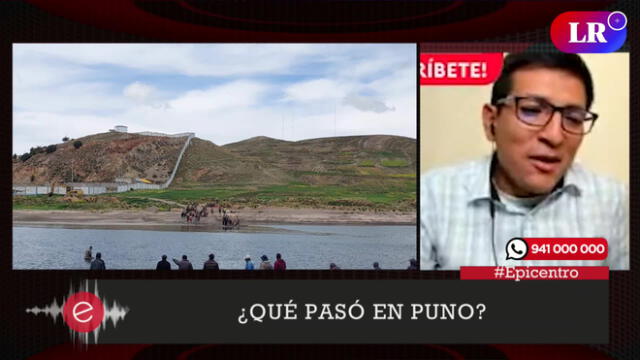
(319, 179)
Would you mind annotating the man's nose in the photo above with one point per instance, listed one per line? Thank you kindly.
(552, 133)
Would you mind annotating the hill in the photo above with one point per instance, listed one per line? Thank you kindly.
(335, 160)
(205, 163)
(263, 160)
(102, 158)
(376, 172)
(353, 172)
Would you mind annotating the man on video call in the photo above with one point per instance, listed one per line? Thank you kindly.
(530, 186)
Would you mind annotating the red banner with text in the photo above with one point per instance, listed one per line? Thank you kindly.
(459, 69)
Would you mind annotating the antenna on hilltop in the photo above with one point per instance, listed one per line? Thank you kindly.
(335, 131)
(293, 124)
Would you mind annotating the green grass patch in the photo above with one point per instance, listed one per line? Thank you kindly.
(369, 193)
(367, 163)
(186, 194)
(143, 203)
(394, 163)
(404, 176)
(387, 154)
(103, 202)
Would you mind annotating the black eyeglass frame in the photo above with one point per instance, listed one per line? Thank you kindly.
(560, 109)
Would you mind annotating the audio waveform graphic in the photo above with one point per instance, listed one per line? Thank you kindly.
(114, 312)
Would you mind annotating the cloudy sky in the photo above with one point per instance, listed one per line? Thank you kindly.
(224, 92)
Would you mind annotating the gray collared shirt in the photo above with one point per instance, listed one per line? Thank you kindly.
(456, 223)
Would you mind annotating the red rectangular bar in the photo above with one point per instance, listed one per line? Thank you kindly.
(566, 248)
(459, 69)
(518, 273)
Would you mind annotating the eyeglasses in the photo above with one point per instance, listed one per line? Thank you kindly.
(535, 111)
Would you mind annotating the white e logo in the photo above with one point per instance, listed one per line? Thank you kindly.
(86, 308)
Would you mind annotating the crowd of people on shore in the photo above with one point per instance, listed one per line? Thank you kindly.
(192, 213)
(211, 264)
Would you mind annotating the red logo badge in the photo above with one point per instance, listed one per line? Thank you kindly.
(83, 312)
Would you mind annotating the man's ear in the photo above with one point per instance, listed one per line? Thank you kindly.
(489, 117)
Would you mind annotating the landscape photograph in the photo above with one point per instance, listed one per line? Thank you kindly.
(214, 156)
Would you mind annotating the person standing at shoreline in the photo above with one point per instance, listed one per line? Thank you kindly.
(98, 263)
(163, 264)
(211, 264)
(413, 264)
(265, 264)
(279, 265)
(248, 265)
(183, 264)
(87, 254)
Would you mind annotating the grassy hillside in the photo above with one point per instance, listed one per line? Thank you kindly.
(205, 163)
(329, 161)
(342, 155)
(368, 172)
(355, 172)
(101, 158)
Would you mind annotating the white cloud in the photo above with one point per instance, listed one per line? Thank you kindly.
(366, 103)
(39, 73)
(231, 92)
(186, 59)
(73, 97)
(235, 94)
(139, 92)
(144, 94)
(318, 89)
(31, 129)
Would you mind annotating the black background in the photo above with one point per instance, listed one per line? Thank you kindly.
(203, 312)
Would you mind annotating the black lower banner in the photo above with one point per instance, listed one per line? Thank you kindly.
(336, 311)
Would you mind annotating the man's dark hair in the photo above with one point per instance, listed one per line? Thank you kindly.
(562, 61)
(164, 257)
(278, 256)
(211, 256)
(98, 256)
(184, 257)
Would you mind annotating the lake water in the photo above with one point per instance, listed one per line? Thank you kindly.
(301, 246)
